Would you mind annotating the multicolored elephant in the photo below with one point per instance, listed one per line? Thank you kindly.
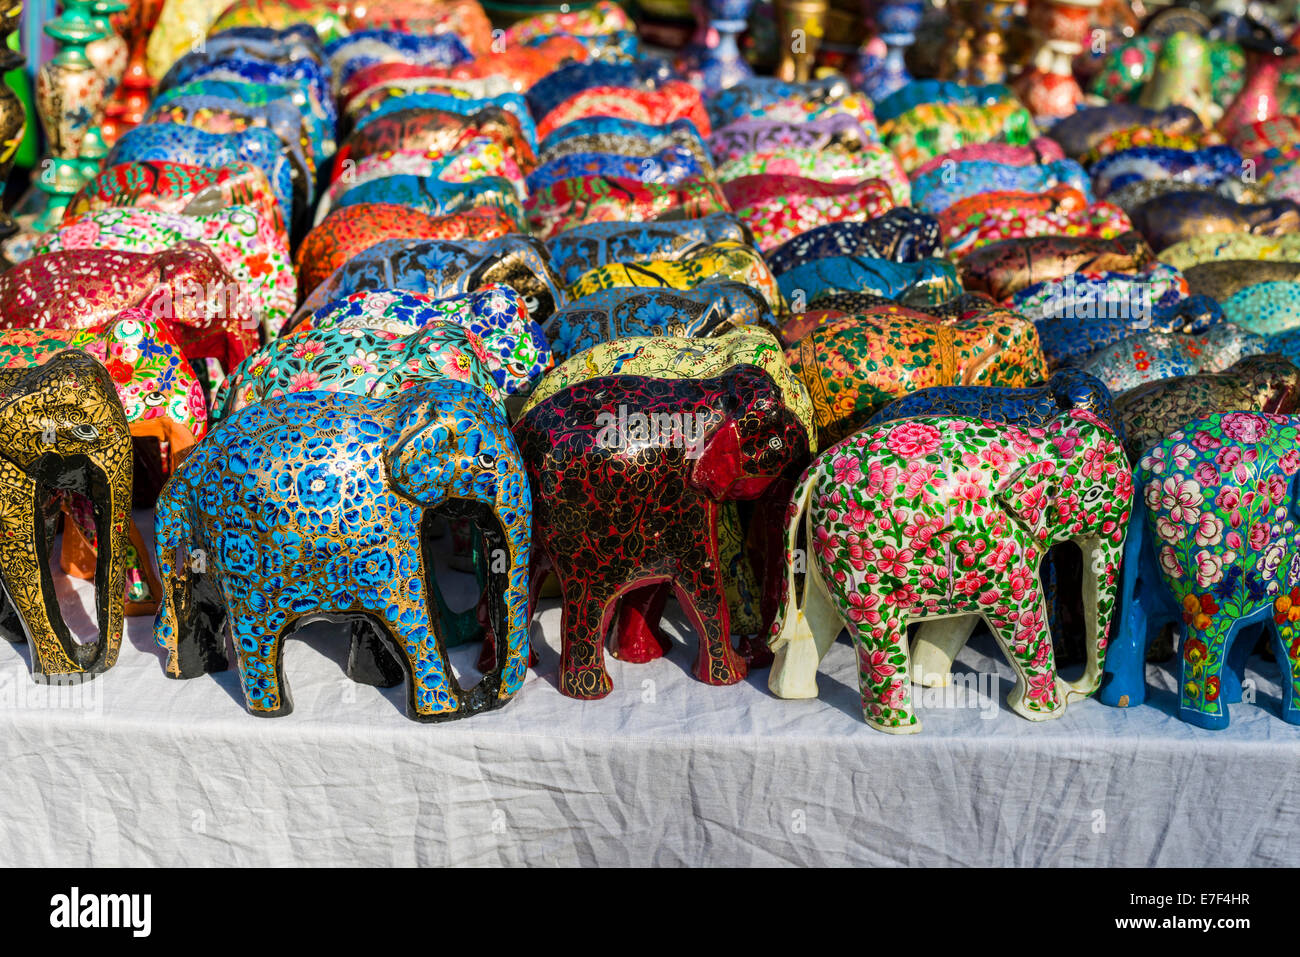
(1212, 551)
(166, 414)
(854, 365)
(708, 310)
(1159, 355)
(946, 517)
(342, 496)
(630, 474)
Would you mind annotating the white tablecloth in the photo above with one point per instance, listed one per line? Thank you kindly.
(144, 770)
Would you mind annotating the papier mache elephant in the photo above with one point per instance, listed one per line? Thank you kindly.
(63, 432)
(321, 505)
(1212, 551)
(583, 248)
(440, 268)
(1024, 408)
(166, 414)
(960, 514)
(712, 309)
(630, 473)
(853, 365)
(1003, 268)
(1152, 356)
(670, 357)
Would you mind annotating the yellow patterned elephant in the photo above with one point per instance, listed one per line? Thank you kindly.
(715, 263)
(62, 431)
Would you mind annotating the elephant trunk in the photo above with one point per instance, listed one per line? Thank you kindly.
(1100, 586)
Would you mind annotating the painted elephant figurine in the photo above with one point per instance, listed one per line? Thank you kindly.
(1178, 216)
(350, 231)
(630, 499)
(612, 134)
(961, 513)
(737, 262)
(172, 187)
(1082, 131)
(934, 192)
(708, 310)
(515, 350)
(777, 208)
(1003, 268)
(702, 358)
(901, 235)
(581, 200)
(435, 130)
(1033, 407)
(256, 255)
(1059, 211)
(1151, 356)
(64, 433)
(1216, 246)
(166, 414)
(1153, 411)
(440, 268)
(437, 197)
(584, 248)
(184, 144)
(1211, 551)
(854, 365)
(347, 488)
(186, 286)
(1222, 279)
(929, 129)
(922, 283)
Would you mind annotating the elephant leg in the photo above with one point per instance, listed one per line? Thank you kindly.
(816, 625)
(883, 674)
(1243, 644)
(1124, 681)
(640, 637)
(370, 662)
(1286, 648)
(1200, 701)
(586, 617)
(257, 653)
(935, 647)
(766, 549)
(702, 593)
(1028, 648)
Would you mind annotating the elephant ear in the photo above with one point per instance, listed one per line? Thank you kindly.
(718, 465)
(1027, 497)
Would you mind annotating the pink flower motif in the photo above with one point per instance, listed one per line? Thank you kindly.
(1206, 441)
(847, 470)
(1209, 530)
(1259, 536)
(1042, 688)
(997, 456)
(1022, 579)
(1209, 567)
(304, 382)
(1181, 498)
(1290, 462)
(858, 517)
(827, 545)
(911, 439)
(917, 476)
(864, 608)
(1206, 474)
(1244, 426)
(876, 665)
(894, 561)
(895, 696)
(969, 486)
(1169, 563)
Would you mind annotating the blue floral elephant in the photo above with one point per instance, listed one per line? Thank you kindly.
(320, 506)
(1212, 550)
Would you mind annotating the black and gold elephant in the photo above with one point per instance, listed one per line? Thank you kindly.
(63, 432)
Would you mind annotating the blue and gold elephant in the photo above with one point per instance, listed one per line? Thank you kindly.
(320, 506)
(1212, 550)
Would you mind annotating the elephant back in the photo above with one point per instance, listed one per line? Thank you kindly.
(681, 358)
(722, 261)
(1159, 355)
(576, 251)
(1003, 268)
(440, 131)
(1154, 410)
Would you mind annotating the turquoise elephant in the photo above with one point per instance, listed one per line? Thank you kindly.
(1212, 550)
(320, 505)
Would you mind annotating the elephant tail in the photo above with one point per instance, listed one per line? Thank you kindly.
(788, 617)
